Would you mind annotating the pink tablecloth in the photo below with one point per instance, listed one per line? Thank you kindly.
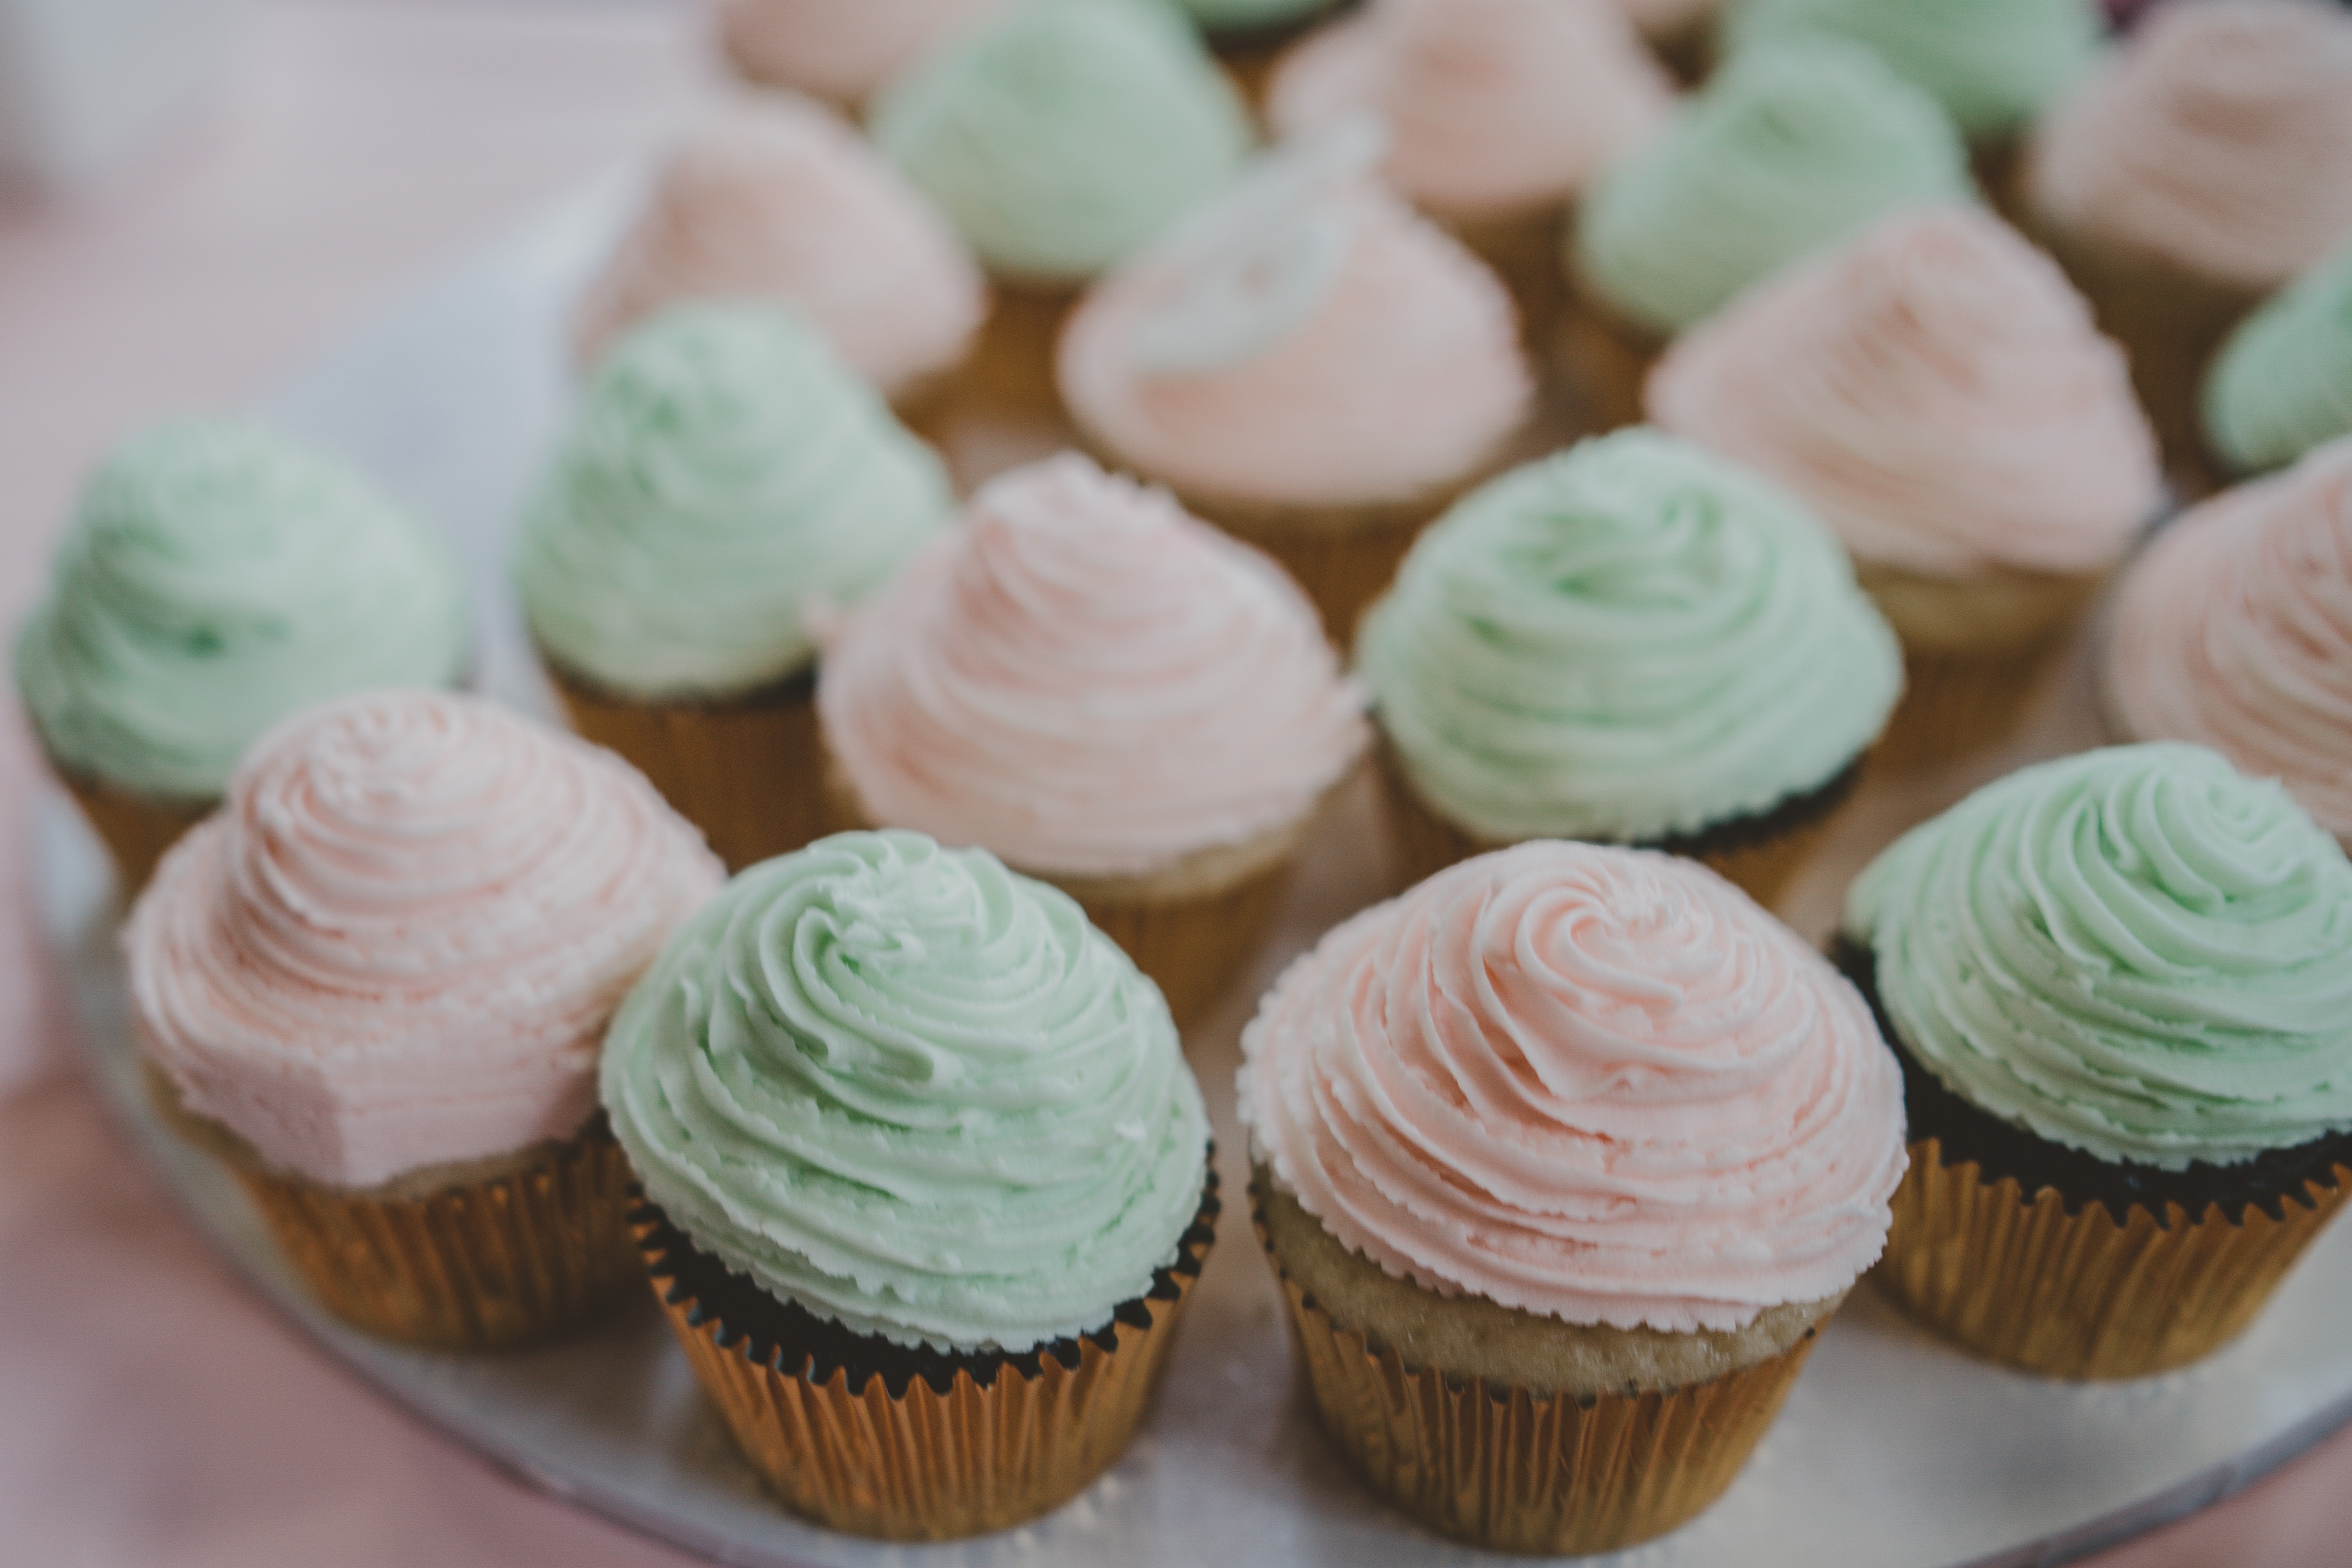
(149, 1411)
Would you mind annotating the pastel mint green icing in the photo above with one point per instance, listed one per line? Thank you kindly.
(1789, 149)
(1994, 65)
(2139, 953)
(913, 1092)
(1245, 13)
(1628, 642)
(217, 577)
(724, 479)
(1067, 135)
(2282, 384)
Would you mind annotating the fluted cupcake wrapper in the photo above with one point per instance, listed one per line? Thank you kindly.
(2023, 1282)
(1955, 705)
(1011, 371)
(1523, 249)
(137, 829)
(1607, 359)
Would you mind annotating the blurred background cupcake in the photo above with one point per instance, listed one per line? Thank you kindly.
(724, 482)
(2281, 385)
(842, 50)
(217, 577)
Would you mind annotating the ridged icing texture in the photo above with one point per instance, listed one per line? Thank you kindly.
(1497, 105)
(913, 1093)
(1083, 679)
(2234, 631)
(2220, 139)
(1994, 65)
(1628, 642)
(2137, 952)
(1066, 136)
(1789, 149)
(399, 945)
(1336, 349)
(723, 479)
(217, 576)
(2282, 384)
(775, 198)
(843, 49)
(1937, 390)
(1595, 1084)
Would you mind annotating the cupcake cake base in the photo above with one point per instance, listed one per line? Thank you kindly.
(137, 829)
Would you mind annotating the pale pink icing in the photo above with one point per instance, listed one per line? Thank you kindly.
(777, 199)
(1497, 105)
(1088, 681)
(2220, 139)
(1403, 375)
(1596, 1083)
(842, 49)
(398, 943)
(2234, 631)
(1938, 392)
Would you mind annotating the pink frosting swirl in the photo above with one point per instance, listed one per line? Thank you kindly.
(1497, 105)
(777, 199)
(2234, 631)
(1088, 681)
(1938, 392)
(398, 944)
(1592, 1082)
(842, 49)
(2220, 139)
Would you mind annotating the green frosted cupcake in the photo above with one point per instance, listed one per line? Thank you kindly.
(2282, 382)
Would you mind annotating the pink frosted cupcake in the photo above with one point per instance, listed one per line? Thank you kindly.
(1110, 697)
(841, 50)
(777, 200)
(1938, 392)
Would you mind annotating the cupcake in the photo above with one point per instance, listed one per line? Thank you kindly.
(217, 576)
(1936, 391)
(1109, 695)
(1788, 149)
(2119, 984)
(2234, 631)
(1060, 140)
(2281, 385)
(925, 1181)
(1307, 364)
(375, 983)
(2209, 164)
(1632, 642)
(724, 482)
(842, 50)
(778, 200)
(1562, 1159)
(1503, 112)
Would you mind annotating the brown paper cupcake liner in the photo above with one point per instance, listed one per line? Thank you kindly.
(1954, 705)
(1011, 370)
(869, 1437)
(137, 829)
(1524, 250)
(1607, 360)
(746, 772)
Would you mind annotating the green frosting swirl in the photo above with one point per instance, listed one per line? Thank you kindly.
(1628, 642)
(1067, 135)
(1789, 149)
(216, 578)
(1994, 65)
(2282, 384)
(2137, 952)
(912, 1092)
(724, 477)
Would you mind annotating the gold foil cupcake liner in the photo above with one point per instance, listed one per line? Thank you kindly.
(2023, 1283)
(137, 829)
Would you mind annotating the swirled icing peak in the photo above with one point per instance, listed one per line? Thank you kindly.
(842, 49)
(2139, 953)
(399, 946)
(777, 199)
(1064, 137)
(2234, 631)
(913, 1093)
(1629, 641)
(2219, 140)
(1085, 680)
(1595, 1084)
(1936, 389)
(724, 477)
(1790, 147)
(2282, 384)
(1497, 105)
(217, 577)
(1304, 339)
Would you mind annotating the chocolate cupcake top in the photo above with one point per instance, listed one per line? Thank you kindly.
(2139, 953)
(2282, 384)
(912, 1093)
